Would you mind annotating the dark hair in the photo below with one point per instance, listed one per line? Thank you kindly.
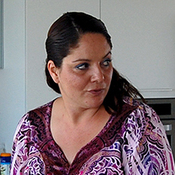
(64, 34)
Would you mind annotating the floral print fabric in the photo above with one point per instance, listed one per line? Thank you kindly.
(132, 143)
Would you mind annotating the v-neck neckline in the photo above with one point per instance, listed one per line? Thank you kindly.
(103, 139)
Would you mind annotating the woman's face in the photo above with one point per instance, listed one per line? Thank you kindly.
(85, 75)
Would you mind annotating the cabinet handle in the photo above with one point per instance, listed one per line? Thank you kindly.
(168, 127)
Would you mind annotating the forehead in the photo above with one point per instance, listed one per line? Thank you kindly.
(91, 42)
(93, 37)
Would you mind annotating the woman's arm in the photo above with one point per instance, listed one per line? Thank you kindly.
(148, 150)
(26, 159)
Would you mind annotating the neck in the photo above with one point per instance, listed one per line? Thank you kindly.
(77, 115)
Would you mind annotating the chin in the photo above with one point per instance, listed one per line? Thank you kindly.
(94, 104)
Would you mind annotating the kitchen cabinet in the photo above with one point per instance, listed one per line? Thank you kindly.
(143, 35)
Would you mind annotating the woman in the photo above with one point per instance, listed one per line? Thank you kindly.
(96, 126)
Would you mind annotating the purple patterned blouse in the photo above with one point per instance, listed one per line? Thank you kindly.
(131, 143)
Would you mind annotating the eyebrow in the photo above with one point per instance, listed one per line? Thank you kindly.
(107, 54)
(87, 60)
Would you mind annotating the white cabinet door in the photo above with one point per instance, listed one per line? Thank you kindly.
(143, 35)
(40, 14)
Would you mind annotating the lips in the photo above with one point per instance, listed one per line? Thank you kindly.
(96, 91)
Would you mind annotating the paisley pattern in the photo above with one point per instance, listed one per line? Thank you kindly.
(131, 143)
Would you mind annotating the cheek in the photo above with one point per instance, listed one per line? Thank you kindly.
(76, 82)
(109, 74)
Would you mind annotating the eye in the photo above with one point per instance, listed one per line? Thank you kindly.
(106, 62)
(82, 66)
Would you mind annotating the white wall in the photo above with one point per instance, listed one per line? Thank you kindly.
(12, 77)
(143, 34)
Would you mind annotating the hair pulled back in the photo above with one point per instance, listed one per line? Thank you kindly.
(64, 34)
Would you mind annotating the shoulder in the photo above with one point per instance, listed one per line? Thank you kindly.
(32, 131)
(146, 139)
(142, 119)
(33, 120)
(142, 110)
(41, 113)
(145, 127)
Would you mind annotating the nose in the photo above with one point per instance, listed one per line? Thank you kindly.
(97, 75)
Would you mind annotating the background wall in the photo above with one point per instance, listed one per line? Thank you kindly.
(143, 34)
(12, 77)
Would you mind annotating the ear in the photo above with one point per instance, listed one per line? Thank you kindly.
(53, 70)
